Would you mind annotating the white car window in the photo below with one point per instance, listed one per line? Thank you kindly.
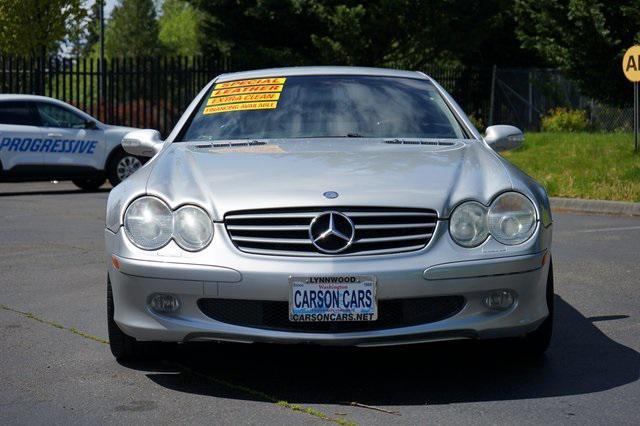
(55, 116)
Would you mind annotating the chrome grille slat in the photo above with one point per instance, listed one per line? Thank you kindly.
(385, 251)
(272, 240)
(272, 215)
(285, 232)
(397, 226)
(278, 252)
(399, 238)
(389, 214)
(267, 227)
(299, 253)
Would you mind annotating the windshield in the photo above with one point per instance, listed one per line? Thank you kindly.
(323, 106)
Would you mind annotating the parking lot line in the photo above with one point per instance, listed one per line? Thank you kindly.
(245, 389)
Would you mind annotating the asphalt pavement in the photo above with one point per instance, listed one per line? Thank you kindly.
(56, 368)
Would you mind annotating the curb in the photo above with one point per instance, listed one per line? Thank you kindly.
(622, 208)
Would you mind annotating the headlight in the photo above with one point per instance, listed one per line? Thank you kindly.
(148, 223)
(512, 218)
(468, 224)
(193, 229)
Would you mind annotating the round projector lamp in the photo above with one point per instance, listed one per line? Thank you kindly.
(500, 300)
(164, 303)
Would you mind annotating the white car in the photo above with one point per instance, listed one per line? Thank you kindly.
(45, 139)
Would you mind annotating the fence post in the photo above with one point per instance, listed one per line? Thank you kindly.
(635, 116)
(103, 90)
(530, 100)
(493, 94)
(40, 75)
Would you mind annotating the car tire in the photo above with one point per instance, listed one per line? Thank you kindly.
(121, 165)
(123, 347)
(535, 343)
(89, 184)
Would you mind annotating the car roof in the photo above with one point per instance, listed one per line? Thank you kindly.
(301, 71)
(16, 97)
(33, 98)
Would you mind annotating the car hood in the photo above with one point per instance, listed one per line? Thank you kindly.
(296, 173)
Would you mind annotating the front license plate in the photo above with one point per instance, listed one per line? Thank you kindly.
(333, 298)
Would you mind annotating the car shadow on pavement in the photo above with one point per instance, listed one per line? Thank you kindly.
(581, 360)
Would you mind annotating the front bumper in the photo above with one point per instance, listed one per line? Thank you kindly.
(434, 271)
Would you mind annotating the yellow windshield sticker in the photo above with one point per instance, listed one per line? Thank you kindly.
(245, 95)
(245, 106)
(254, 82)
(252, 97)
(247, 89)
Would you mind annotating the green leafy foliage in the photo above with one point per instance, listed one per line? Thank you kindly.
(565, 120)
(585, 38)
(92, 32)
(179, 26)
(477, 122)
(259, 33)
(132, 30)
(36, 27)
(398, 33)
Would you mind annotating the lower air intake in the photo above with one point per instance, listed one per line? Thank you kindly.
(274, 315)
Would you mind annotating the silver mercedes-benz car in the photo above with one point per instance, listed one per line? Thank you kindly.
(331, 206)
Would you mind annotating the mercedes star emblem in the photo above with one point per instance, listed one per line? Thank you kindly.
(331, 232)
(331, 195)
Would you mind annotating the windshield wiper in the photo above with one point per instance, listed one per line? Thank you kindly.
(346, 135)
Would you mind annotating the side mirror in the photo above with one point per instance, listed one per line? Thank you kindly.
(503, 137)
(143, 143)
(90, 125)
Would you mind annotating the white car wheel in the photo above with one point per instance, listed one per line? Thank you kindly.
(127, 166)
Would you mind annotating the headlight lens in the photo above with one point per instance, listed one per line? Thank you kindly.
(468, 224)
(149, 223)
(193, 229)
(512, 218)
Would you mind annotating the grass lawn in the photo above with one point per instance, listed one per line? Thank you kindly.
(598, 166)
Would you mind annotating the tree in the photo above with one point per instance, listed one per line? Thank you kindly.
(354, 34)
(399, 33)
(92, 35)
(179, 26)
(35, 27)
(132, 30)
(585, 38)
(460, 32)
(86, 33)
(259, 33)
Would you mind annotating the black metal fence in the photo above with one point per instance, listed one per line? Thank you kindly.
(470, 87)
(154, 92)
(522, 97)
(137, 92)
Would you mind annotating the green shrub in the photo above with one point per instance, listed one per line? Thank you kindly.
(477, 122)
(565, 120)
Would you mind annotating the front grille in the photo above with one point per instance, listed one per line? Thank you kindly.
(285, 232)
(273, 315)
